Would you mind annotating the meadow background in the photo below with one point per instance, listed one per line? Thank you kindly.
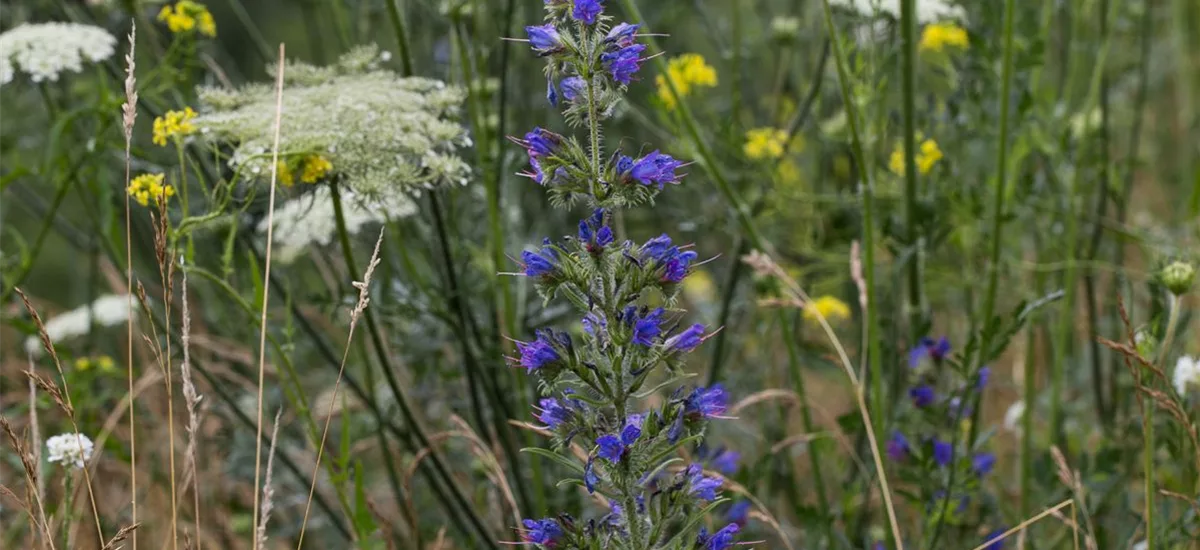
(1053, 205)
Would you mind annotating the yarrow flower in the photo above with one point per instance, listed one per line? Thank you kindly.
(936, 37)
(186, 15)
(927, 155)
(684, 72)
(829, 307)
(764, 143)
(150, 187)
(106, 311)
(174, 124)
(71, 449)
(1187, 374)
(46, 50)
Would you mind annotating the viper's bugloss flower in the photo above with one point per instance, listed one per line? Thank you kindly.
(706, 402)
(594, 233)
(573, 87)
(594, 324)
(590, 479)
(545, 532)
(982, 463)
(922, 395)
(720, 540)
(726, 461)
(985, 373)
(623, 34)
(612, 447)
(585, 11)
(739, 513)
(702, 486)
(993, 541)
(676, 268)
(623, 63)
(942, 452)
(655, 168)
(553, 413)
(540, 142)
(544, 38)
(551, 92)
(647, 328)
(633, 428)
(897, 447)
(538, 353)
(929, 348)
(687, 340)
(542, 262)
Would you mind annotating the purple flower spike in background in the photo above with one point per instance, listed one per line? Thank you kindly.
(993, 540)
(929, 348)
(922, 396)
(982, 463)
(942, 452)
(897, 447)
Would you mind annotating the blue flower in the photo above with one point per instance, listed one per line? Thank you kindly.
(590, 479)
(983, 463)
(594, 324)
(553, 413)
(985, 373)
(700, 485)
(677, 267)
(993, 540)
(922, 395)
(594, 233)
(942, 452)
(551, 93)
(544, 38)
(586, 11)
(623, 63)
(706, 402)
(540, 142)
(624, 164)
(657, 248)
(739, 512)
(542, 262)
(545, 532)
(537, 175)
(647, 328)
(538, 353)
(622, 35)
(928, 347)
(720, 540)
(655, 168)
(726, 461)
(687, 340)
(897, 447)
(573, 87)
(633, 429)
(611, 448)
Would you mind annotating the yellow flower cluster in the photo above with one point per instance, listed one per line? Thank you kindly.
(147, 187)
(936, 37)
(927, 155)
(685, 72)
(312, 168)
(174, 124)
(829, 307)
(102, 362)
(764, 143)
(188, 15)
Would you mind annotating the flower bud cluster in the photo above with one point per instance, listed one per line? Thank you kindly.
(628, 346)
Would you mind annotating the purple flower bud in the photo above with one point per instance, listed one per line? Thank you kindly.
(720, 540)
(993, 540)
(633, 429)
(985, 373)
(739, 513)
(983, 463)
(706, 402)
(551, 93)
(545, 532)
(922, 395)
(590, 479)
(624, 63)
(897, 447)
(538, 353)
(687, 340)
(586, 11)
(942, 452)
(611, 448)
(700, 485)
(929, 348)
(552, 413)
(544, 38)
(622, 35)
(647, 328)
(573, 87)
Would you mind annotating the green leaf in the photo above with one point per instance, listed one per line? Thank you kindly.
(571, 464)
(364, 523)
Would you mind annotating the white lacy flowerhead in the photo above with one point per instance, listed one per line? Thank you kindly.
(1187, 373)
(1013, 416)
(310, 219)
(70, 449)
(928, 11)
(106, 311)
(45, 50)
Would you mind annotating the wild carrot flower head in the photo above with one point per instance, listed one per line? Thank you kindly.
(46, 50)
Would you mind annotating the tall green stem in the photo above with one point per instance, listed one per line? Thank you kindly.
(814, 455)
(908, 24)
(406, 60)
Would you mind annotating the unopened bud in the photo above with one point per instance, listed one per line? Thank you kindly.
(1178, 277)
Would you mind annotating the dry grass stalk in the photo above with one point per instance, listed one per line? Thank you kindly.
(763, 396)
(268, 492)
(121, 535)
(1021, 526)
(31, 478)
(35, 435)
(389, 534)
(262, 333)
(364, 299)
(763, 264)
(1073, 481)
(63, 399)
(166, 270)
(191, 399)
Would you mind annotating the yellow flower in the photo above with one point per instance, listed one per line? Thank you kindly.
(685, 72)
(937, 36)
(102, 362)
(174, 124)
(831, 308)
(789, 173)
(315, 168)
(106, 363)
(764, 143)
(187, 15)
(83, 363)
(147, 187)
(284, 174)
(928, 154)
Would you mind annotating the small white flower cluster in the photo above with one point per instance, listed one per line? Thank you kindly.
(310, 219)
(928, 11)
(106, 311)
(44, 50)
(381, 133)
(1187, 373)
(1013, 417)
(70, 449)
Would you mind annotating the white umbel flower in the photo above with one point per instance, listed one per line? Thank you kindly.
(72, 449)
(928, 11)
(310, 219)
(1013, 416)
(106, 311)
(1187, 373)
(45, 50)
(1143, 545)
